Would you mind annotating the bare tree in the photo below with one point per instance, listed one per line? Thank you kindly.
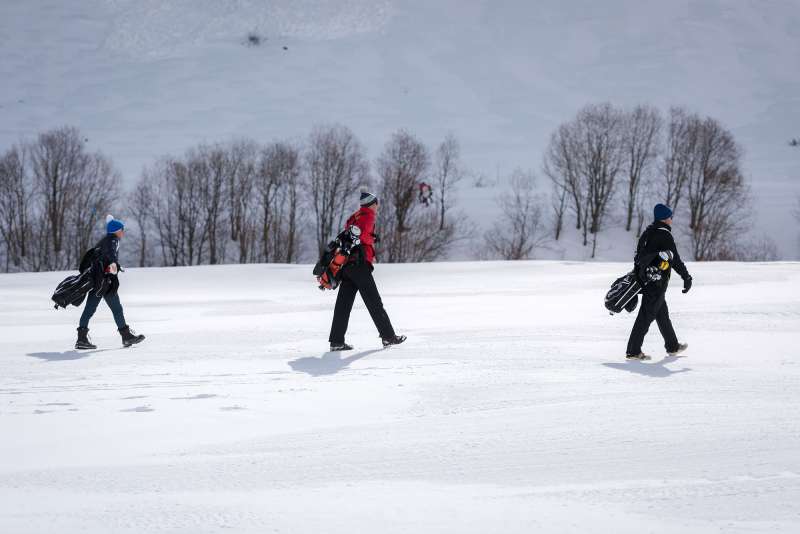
(521, 228)
(447, 172)
(240, 175)
(141, 210)
(583, 160)
(679, 161)
(404, 163)
(278, 186)
(716, 191)
(641, 129)
(16, 209)
(562, 167)
(335, 165)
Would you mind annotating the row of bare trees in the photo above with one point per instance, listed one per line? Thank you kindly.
(53, 192)
(234, 202)
(689, 162)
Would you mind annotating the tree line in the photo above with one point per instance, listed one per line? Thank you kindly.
(611, 162)
(234, 202)
(244, 201)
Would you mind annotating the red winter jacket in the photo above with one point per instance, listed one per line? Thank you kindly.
(364, 218)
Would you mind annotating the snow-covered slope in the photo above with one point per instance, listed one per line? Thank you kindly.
(147, 77)
(509, 409)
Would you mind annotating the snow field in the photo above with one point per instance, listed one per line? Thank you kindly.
(509, 409)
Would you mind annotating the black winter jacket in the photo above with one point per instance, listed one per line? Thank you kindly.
(656, 238)
(109, 249)
(104, 253)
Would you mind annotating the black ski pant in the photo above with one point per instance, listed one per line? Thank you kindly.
(653, 308)
(93, 300)
(357, 278)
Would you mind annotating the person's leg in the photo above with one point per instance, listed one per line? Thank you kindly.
(647, 312)
(362, 276)
(88, 310)
(116, 309)
(665, 327)
(341, 312)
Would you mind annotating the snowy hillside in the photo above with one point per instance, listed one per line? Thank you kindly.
(143, 78)
(509, 409)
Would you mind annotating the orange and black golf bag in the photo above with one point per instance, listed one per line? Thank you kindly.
(328, 269)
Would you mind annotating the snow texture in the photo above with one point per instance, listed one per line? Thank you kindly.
(144, 78)
(509, 409)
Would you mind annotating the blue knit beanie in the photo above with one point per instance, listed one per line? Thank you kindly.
(113, 225)
(661, 212)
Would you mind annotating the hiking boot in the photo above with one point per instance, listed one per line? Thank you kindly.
(641, 357)
(681, 347)
(83, 342)
(129, 337)
(336, 347)
(394, 340)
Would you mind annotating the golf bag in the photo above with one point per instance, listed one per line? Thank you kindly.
(328, 269)
(624, 292)
(73, 289)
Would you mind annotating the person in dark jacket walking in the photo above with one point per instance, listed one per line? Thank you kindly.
(357, 278)
(108, 251)
(657, 238)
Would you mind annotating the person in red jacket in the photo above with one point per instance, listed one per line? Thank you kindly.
(357, 278)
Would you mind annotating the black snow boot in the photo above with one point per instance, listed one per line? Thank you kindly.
(83, 342)
(336, 347)
(128, 337)
(681, 347)
(640, 357)
(394, 340)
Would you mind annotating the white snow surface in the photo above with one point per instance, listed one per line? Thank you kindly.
(144, 78)
(509, 409)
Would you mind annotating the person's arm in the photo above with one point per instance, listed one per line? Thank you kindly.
(366, 223)
(677, 263)
(109, 251)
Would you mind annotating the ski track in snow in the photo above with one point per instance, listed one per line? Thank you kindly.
(510, 409)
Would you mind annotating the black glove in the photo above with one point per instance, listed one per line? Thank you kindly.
(687, 284)
(376, 238)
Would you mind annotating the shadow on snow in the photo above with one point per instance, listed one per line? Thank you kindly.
(329, 363)
(64, 356)
(654, 369)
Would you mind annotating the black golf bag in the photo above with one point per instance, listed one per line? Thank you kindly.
(328, 269)
(73, 289)
(624, 292)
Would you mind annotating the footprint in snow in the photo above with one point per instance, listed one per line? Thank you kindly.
(232, 408)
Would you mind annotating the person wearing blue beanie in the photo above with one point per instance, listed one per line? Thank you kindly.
(104, 257)
(114, 225)
(662, 212)
(656, 256)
